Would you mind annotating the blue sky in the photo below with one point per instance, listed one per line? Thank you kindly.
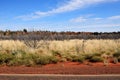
(60, 15)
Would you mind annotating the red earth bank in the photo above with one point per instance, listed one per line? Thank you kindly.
(64, 68)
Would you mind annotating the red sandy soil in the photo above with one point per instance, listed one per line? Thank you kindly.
(64, 68)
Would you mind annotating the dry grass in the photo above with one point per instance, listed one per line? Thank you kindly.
(66, 46)
(66, 49)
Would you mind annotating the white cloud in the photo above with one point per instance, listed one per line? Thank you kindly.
(98, 19)
(70, 5)
(96, 23)
(94, 19)
(79, 19)
(103, 25)
(114, 17)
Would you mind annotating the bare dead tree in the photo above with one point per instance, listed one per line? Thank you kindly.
(31, 40)
(35, 41)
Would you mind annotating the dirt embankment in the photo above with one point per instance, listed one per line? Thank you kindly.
(64, 68)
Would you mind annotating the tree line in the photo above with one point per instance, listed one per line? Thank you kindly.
(53, 35)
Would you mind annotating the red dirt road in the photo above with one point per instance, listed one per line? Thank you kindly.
(64, 68)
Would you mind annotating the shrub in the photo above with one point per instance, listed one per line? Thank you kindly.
(24, 59)
(15, 52)
(42, 60)
(55, 53)
(16, 62)
(18, 52)
(116, 54)
(53, 59)
(97, 54)
(78, 58)
(69, 58)
(5, 58)
(119, 59)
(28, 62)
(96, 59)
(29, 59)
(88, 56)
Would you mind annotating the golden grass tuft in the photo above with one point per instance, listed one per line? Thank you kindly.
(54, 51)
(66, 46)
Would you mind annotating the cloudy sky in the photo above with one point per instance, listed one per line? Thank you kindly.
(60, 15)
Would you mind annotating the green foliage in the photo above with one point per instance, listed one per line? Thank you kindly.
(15, 62)
(53, 59)
(18, 52)
(78, 58)
(42, 60)
(55, 52)
(5, 58)
(19, 57)
(96, 59)
(97, 54)
(24, 59)
(116, 54)
(88, 56)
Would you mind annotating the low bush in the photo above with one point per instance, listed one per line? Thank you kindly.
(55, 52)
(23, 59)
(96, 59)
(5, 58)
(26, 59)
(15, 62)
(116, 54)
(78, 58)
(42, 60)
(119, 59)
(53, 59)
(88, 56)
(68, 58)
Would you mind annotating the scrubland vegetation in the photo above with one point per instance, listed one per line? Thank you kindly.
(31, 53)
